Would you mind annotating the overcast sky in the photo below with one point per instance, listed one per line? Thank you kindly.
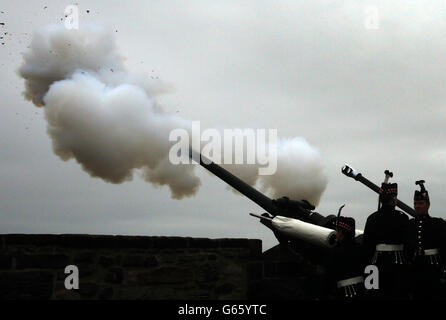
(363, 89)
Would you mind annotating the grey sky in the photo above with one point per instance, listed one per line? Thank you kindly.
(371, 97)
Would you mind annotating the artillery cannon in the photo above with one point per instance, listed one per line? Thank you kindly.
(288, 219)
(352, 173)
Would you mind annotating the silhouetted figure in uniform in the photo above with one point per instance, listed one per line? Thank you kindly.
(425, 246)
(383, 244)
(346, 267)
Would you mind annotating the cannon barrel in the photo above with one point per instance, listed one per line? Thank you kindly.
(352, 173)
(242, 187)
(297, 209)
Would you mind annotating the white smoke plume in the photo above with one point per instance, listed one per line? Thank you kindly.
(300, 172)
(108, 119)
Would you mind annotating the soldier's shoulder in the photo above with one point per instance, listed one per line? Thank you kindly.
(372, 216)
(439, 220)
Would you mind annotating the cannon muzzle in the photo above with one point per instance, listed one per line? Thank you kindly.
(421, 184)
(350, 172)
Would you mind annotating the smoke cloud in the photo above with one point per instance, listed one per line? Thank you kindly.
(300, 172)
(108, 119)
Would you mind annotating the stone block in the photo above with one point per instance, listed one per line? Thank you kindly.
(84, 258)
(106, 261)
(287, 269)
(5, 262)
(114, 275)
(270, 269)
(170, 242)
(206, 273)
(42, 261)
(88, 289)
(137, 261)
(224, 289)
(31, 239)
(234, 243)
(26, 285)
(151, 262)
(255, 246)
(165, 275)
(104, 241)
(203, 243)
(255, 271)
(106, 293)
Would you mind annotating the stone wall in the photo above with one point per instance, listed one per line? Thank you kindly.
(153, 268)
(290, 274)
(126, 267)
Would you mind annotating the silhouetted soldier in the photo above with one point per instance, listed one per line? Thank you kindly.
(346, 268)
(425, 246)
(383, 243)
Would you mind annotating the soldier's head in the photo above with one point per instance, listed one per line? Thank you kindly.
(421, 202)
(388, 195)
(345, 229)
